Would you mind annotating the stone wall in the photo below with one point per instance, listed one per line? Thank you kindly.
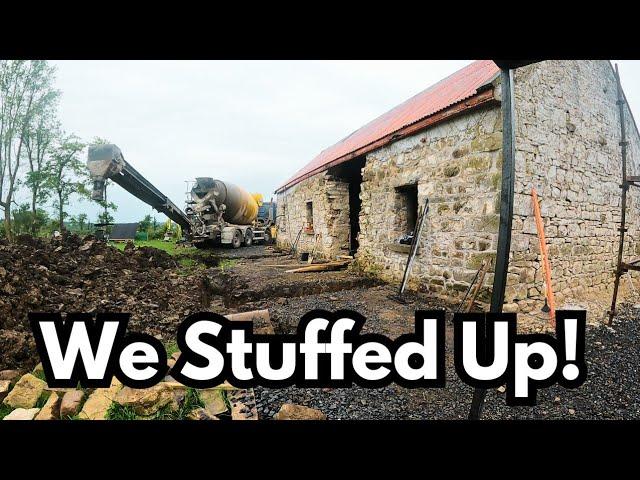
(456, 165)
(567, 134)
(330, 200)
(567, 147)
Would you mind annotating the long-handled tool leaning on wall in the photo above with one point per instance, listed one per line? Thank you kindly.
(414, 248)
(549, 298)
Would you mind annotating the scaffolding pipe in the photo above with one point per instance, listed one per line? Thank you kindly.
(506, 216)
(625, 188)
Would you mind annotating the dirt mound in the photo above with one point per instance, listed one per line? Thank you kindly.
(17, 349)
(74, 274)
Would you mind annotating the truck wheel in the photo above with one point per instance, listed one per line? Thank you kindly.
(267, 237)
(248, 238)
(236, 242)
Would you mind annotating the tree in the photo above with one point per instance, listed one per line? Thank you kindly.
(145, 224)
(24, 219)
(99, 141)
(106, 217)
(38, 145)
(73, 224)
(25, 86)
(66, 174)
(82, 221)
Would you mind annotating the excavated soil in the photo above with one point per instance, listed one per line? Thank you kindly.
(74, 274)
(264, 281)
(82, 275)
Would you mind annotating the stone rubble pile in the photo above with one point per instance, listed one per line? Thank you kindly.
(27, 397)
(74, 274)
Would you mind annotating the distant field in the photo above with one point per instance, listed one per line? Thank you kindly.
(169, 247)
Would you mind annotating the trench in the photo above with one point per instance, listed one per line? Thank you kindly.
(214, 257)
(235, 298)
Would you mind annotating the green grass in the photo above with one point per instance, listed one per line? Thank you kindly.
(226, 263)
(4, 410)
(42, 399)
(187, 262)
(119, 412)
(190, 259)
(171, 347)
(191, 402)
(189, 266)
(169, 247)
(227, 402)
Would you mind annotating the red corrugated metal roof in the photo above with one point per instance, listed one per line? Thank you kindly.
(455, 88)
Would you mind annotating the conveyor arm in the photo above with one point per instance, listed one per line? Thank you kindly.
(107, 162)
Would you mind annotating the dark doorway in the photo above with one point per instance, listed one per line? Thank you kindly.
(351, 173)
(407, 208)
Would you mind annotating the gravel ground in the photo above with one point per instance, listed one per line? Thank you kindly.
(611, 391)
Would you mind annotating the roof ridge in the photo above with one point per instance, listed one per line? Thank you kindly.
(452, 89)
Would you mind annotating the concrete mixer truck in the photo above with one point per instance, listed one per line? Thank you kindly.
(217, 212)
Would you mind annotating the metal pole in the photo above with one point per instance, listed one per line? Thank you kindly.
(506, 214)
(625, 187)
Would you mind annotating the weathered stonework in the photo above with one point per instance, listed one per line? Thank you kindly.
(567, 147)
(330, 199)
(456, 165)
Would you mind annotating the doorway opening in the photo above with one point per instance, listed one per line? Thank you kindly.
(351, 172)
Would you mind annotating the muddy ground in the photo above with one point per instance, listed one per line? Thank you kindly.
(160, 290)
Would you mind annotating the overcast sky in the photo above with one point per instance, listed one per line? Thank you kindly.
(253, 123)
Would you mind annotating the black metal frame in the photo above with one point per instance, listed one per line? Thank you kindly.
(627, 181)
(506, 215)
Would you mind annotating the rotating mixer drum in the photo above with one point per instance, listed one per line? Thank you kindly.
(241, 206)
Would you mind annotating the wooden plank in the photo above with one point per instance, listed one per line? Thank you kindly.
(315, 244)
(260, 318)
(545, 257)
(483, 272)
(284, 265)
(321, 267)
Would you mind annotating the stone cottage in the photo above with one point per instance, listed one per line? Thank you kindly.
(361, 195)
